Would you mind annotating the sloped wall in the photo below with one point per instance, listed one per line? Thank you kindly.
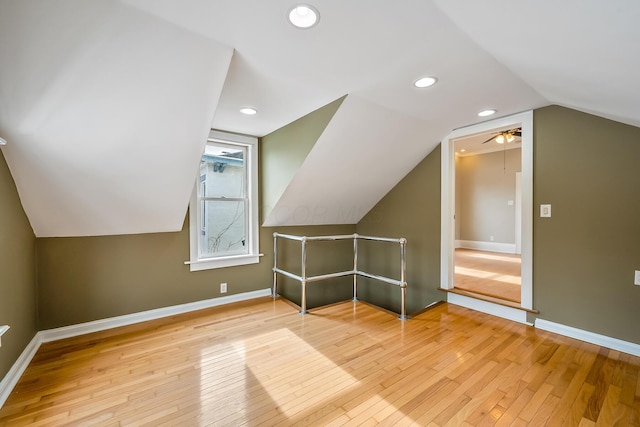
(17, 273)
(410, 210)
(88, 278)
(284, 151)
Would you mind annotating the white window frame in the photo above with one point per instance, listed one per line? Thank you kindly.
(252, 257)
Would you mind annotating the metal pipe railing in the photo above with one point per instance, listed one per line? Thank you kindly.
(303, 282)
(303, 279)
(355, 269)
(403, 278)
(328, 276)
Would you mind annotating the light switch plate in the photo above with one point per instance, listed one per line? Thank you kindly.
(545, 211)
(637, 279)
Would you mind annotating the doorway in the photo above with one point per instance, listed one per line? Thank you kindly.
(448, 206)
(487, 260)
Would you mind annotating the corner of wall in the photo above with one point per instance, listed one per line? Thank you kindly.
(283, 151)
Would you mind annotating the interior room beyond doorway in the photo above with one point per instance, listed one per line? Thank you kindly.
(491, 274)
(487, 213)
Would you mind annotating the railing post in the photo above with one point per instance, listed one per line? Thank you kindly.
(274, 290)
(403, 279)
(355, 267)
(303, 282)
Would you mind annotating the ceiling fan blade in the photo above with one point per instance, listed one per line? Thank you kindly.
(489, 139)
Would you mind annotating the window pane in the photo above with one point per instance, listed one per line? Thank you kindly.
(223, 228)
(222, 171)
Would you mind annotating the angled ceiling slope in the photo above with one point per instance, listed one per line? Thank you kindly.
(362, 153)
(580, 54)
(106, 104)
(106, 111)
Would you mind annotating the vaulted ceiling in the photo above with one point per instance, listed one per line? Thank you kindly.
(106, 104)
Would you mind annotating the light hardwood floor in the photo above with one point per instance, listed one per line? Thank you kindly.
(261, 363)
(488, 273)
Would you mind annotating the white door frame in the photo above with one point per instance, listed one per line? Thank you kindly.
(518, 209)
(524, 120)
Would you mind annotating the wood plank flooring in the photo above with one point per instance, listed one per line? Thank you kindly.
(261, 363)
(488, 273)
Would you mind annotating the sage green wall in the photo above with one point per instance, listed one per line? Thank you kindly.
(585, 255)
(411, 210)
(284, 150)
(322, 258)
(17, 273)
(89, 278)
(486, 182)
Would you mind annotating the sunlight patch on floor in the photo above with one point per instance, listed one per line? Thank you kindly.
(481, 274)
(295, 376)
(493, 257)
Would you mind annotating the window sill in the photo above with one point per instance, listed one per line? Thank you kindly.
(228, 261)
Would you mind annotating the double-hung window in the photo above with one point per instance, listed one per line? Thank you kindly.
(223, 213)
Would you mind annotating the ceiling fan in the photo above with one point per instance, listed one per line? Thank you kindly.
(505, 136)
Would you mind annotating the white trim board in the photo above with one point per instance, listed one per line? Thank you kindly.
(447, 202)
(143, 316)
(508, 313)
(505, 248)
(11, 379)
(3, 329)
(590, 337)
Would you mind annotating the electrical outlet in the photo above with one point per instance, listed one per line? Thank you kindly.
(223, 288)
(637, 279)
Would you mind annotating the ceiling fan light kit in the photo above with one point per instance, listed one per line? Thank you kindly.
(505, 136)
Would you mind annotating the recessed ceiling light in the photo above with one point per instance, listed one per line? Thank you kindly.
(463, 150)
(248, 111)
(425, 82)
(304, 16)
(485, 113)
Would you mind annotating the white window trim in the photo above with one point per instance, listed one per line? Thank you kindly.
(253, 257)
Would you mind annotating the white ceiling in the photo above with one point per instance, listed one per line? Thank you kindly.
(106, 104)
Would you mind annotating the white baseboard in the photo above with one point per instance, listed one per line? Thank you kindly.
(11, 379)
(506, 248)
(508, 313)
(590, 337)
(457, 244)
(143, 316)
